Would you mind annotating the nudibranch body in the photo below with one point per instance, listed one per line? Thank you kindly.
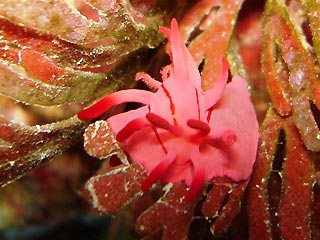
(183, 133)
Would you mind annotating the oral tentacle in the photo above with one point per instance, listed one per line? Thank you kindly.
(131, 127)
(226, 139)
(197, 180)
(160, 122)
(158, 171)
(116, 98)
(229, 138)
(199, 125)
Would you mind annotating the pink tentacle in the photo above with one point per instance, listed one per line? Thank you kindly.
(184, 68)
(166, 31)
(116, 98)
(226, 139)
(199, 125)
(133, 126)
(198, 179)
(215, 93)
(160, 122)
(158, 171)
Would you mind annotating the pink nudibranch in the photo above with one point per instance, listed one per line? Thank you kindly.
(183, 133)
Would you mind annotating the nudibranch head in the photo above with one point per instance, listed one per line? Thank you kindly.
(182, 133)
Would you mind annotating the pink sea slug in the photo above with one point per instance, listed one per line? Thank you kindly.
(183, 133)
